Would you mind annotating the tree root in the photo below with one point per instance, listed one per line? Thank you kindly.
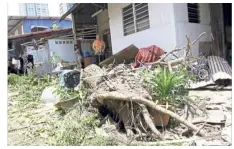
(150, 104)
(149, 121)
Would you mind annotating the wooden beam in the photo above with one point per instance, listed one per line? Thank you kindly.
(95, 4)
(15, 26)
(75, 40)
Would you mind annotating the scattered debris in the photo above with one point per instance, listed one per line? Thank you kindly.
(12, 95)
(220, 73)
(215, 116)
(48, 96)
(226, 134)
(114, 105)
(126, 56)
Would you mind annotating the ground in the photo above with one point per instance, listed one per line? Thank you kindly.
(30, 123)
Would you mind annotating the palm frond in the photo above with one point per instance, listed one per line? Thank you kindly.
(167, 86)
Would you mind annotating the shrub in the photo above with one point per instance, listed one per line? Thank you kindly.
(166, 86)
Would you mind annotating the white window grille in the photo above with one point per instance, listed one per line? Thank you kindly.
(135, 18)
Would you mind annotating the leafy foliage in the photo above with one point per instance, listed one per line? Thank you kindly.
(166, 86)
(31, 86)
(71, 129)
(75, 130)
(54, 59)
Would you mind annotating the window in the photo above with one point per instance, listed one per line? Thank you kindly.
(135, 18)
(193, 12)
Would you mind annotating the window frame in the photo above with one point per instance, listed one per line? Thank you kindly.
(197, 18)
(134, 22)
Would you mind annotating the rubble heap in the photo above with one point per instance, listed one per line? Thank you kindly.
(121, 91)
(122, 80)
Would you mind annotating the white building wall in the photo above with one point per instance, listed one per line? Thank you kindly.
(64, 51)
(161, 32)
(192, 29)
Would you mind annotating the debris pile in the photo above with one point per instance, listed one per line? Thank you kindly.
(119, 95)
(128, 110)
(120, 80)
(119, 92)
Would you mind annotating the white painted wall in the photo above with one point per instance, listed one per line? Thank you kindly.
(65, 51)
(168, 27)
(161, 32)
(192, 29)
(41, 56)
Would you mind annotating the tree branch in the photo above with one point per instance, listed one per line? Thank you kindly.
(150, 104)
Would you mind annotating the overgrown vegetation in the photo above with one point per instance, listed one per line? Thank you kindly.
(78, 126)
(77, 130)
(71, 129)
(54, 59)
(30, 87)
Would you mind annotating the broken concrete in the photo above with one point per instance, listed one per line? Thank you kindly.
(227, 134)
(215, 116)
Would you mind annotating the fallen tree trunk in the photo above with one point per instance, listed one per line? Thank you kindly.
(151, 104)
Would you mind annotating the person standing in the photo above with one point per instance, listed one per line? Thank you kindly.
(99, 47)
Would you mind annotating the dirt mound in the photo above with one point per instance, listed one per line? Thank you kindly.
(123, 80)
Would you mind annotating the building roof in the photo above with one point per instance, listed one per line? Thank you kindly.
(15, 20)
(73, 8)
(39, 33)
(79, 6)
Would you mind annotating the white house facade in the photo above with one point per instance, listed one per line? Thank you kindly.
(161, 24)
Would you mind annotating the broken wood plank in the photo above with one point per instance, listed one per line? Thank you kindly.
(126, 55)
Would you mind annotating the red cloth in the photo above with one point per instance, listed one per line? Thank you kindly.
(148, 55)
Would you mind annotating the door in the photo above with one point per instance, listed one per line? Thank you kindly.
(107, 40)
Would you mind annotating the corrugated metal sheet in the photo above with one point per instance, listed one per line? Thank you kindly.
(14, 20)
(220, 70)
(39, 33)
(28, 23)
(19, 39)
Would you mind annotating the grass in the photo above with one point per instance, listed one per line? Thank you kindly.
(77, 130)
(32, 123)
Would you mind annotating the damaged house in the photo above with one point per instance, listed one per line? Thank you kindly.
(161, 24)
(148, 104)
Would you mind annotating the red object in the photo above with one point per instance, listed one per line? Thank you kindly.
(148, 55)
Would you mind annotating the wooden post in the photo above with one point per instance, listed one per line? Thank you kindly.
(75, 40)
